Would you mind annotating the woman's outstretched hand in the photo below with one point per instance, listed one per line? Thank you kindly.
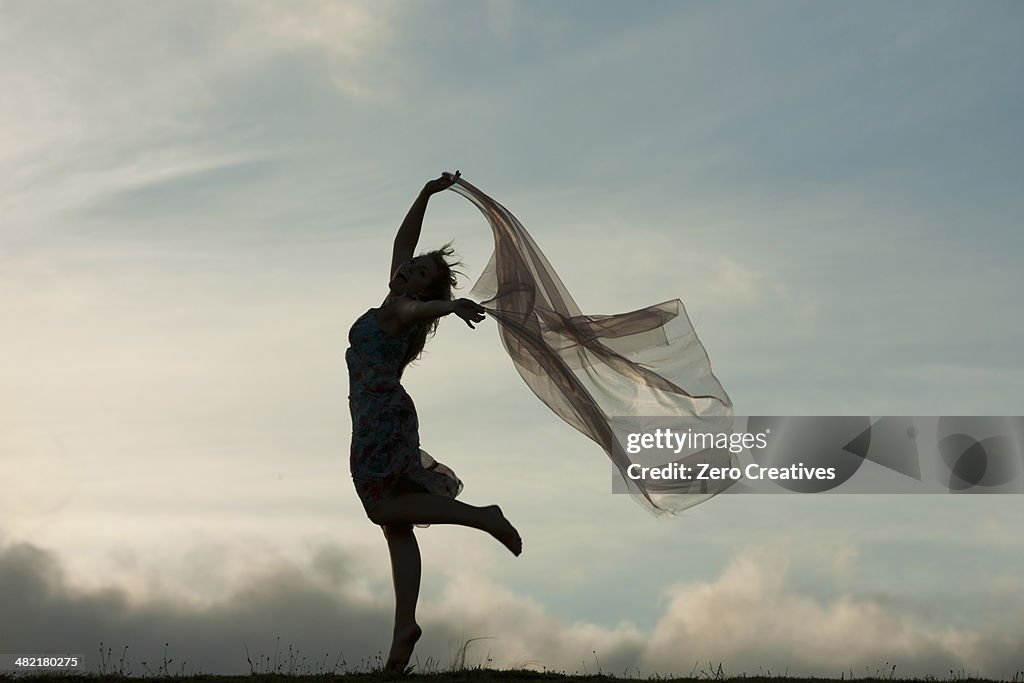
(443, 183)
(469, 310)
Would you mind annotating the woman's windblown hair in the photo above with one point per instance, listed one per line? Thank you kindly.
(441, 289)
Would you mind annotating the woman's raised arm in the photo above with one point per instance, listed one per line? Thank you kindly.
(409, 232)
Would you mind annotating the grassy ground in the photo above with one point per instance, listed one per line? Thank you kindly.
(466, 676)
(478, 675)
(291, 668)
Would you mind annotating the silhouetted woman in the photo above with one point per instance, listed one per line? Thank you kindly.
(398, 483)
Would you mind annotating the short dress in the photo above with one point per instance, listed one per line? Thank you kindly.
(386, 458)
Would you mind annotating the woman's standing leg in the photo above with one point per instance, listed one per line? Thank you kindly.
(405, 573)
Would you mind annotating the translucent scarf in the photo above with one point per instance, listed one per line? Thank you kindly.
(597, 372)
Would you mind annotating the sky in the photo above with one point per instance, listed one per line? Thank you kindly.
(199, 198)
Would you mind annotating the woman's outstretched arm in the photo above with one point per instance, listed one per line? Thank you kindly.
(403, 313)
(409, 232)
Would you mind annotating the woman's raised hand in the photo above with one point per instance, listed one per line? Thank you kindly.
(469, 310)
(443, 183)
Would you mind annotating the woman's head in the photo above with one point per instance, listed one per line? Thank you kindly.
(428, 277)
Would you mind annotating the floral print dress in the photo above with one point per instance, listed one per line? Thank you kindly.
(386, 458)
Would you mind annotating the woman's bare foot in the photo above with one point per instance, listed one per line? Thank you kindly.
(402, 644)
(502, 530)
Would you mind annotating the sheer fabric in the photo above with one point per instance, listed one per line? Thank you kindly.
(598, 372)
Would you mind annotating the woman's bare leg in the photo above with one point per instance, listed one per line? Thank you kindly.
(396, 515)
(405, 572)
(431, 508)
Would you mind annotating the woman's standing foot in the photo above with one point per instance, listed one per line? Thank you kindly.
(402, 645)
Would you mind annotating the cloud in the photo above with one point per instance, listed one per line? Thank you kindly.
(345, 34)
(749, 618)
(110, 98)
(752, 617)
(313, 608)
